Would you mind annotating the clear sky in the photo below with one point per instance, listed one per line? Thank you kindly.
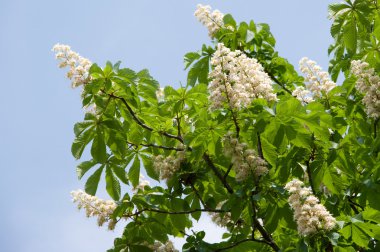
(39, 109)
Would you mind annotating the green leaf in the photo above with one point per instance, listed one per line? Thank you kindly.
(98, 148)
(359, 236)
(190, 58)
(148, 165)
(82, 126)
(134, 171)
(199, 72)
(371, 215)
(229, 21)
(93, 181)
(81, 141)
(196, 205)
(350, 35)
(269, 151)
(83, 167)
(112, 184)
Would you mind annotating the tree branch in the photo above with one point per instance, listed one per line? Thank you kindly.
(162, 147)
(278, 82)
(266, 235)
(375, 128)
(227, 172)
(141, 123)
(308, 170)
(217, 172)
(240, 242)
(259, 147)
(137, 213)
(234, 118)
(198, 195)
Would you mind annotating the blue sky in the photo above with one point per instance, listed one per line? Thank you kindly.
(38, 107)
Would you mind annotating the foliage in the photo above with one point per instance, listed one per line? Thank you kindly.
(330, 144)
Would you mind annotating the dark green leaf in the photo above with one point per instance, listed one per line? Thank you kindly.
(93, 181)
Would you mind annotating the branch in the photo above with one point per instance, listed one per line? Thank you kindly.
(170, 212)
(259, 146)
(278, 82)
(217, 173)
(198, 195)
(141, 123)
(308, 170)
(239, 242)
(162, 147)
(227, 172)
(266, 235)
(178, 126)
(234, 118)
(354, 205)
(375, 128)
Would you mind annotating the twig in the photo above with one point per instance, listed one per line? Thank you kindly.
(240, 242)
(266, 235)
(141, 123)
(308, 170)
(259, 146)
(234, 118)
(162, 147)
(217, 173)
(137, 213)
(227, 172)
(375, 128)
(198, 195)
(278, 82)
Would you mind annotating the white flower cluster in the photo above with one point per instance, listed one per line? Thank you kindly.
(318, 81)
(212, 20)
(303, 94)
(368, 83)
(142, 184)
(221, 219)
(311, 217)
(160, 95)
(94, 206)
(237, 79)
(167, 166)
(78, 65)
(159, 247)
(244, 160)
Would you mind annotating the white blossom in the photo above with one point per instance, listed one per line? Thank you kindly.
(303, 94)
(311, 217)
(318, 81)
(79, 66)
(102, 209)
(244, 161)
(167, 166)
(237, 80)
(160, 247)
(142, 183)
(160, 95)
(221, 219)
(368, 83)
(212, 20)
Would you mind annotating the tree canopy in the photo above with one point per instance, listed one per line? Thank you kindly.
(284, 160)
